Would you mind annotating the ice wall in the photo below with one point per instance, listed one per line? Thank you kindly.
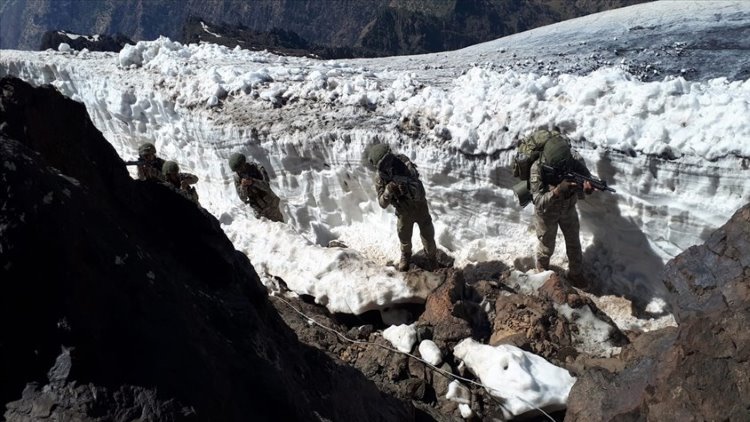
(674, 150)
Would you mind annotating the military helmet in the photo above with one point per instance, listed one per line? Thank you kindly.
(146, 148)
(170, 167)
(377, 152)
(556, 151)
(236, 161)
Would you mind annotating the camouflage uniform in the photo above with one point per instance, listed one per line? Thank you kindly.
(259, 195)
(150, 166)
(551, 211)
(151, 170)
(188, 191)
(407, 195)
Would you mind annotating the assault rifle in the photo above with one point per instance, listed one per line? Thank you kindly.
(140, 161)
(137, 162)
(406, 188)
(578, 178)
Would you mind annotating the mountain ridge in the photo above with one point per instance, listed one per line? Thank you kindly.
(381, 27)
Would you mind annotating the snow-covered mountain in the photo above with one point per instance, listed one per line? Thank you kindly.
(654, 96)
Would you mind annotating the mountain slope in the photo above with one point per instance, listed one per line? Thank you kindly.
(381, 27)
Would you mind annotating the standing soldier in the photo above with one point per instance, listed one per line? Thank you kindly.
(149, 165)
(555, 205)
(252, 184)
(180, 181)
(397, 183)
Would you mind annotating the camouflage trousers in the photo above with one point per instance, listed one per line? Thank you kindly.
(411, 212)
(271, 213)
(270, 210)
(563, 214)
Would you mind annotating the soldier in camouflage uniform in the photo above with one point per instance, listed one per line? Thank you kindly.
(180, 181)
(149, 165)
(555, 205)
(252, 185)
(397, 183)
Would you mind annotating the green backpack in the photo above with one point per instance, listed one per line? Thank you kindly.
(529, 150)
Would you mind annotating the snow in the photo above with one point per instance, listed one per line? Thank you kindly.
(208, 30)
(664, 122)
(73, 36)
(458, 393)
(523, 380)
(430, 352)
(402, 337)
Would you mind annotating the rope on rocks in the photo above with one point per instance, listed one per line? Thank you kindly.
(433, 367)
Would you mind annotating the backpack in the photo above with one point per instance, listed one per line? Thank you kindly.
(528, 150)
(256, 172)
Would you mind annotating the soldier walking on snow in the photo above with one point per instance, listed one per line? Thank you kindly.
(397, 183)
(252, 185)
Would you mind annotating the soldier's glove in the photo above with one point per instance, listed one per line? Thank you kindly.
(564, 187)
(587, 188)
(391, 190)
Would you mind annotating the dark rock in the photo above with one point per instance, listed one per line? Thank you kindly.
(713, 276)
(698, 371)
(424, 332)
(114, 43)
(556, 290)
(532, 324)
(439, 311)
(155, 322)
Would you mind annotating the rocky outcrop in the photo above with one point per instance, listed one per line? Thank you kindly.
(122, 300)
(714, 276)
(114, 43)
(700, 370)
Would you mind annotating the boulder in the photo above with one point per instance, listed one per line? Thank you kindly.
(699, 370)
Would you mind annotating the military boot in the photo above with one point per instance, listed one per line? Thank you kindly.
(403, 264)
(577, 280)
(431, 255)
(540, 268)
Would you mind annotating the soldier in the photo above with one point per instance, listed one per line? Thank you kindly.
(180, 181)
(397, 183)
(555, 205)
(252, 184)
(149, 165)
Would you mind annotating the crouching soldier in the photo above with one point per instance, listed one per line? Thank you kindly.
(180, 181)
(252, 184)
(149, 165)
(397, 183)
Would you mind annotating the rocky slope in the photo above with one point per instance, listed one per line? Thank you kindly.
(700, 370)
(53, 39)
(123, 300)
(372, 27)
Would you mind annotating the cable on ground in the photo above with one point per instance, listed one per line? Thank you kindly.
(435, 368)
